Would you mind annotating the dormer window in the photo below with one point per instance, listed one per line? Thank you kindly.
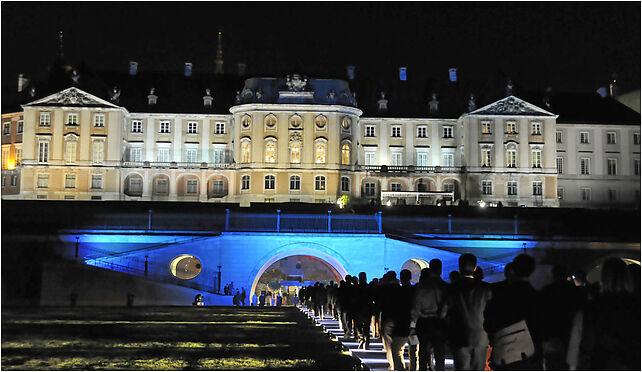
(72, 118)
(152, 98)
(207, 98)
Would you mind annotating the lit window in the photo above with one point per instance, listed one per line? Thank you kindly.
(612, 194)
(295, 183)
(536, 155)
(21, 124)
(422, 132)
(295, 153)
(191, 155)
(269, 182)
(395, 186)
(43, 181)
(584, 137)
(70, 181)
(98, 152)
(345, 184)
(270, 151)
(96, 181)
(511, 188)
(448, 159)
(511, 158)
(43, 151)
(402, 73)
(136, 154)
(560, 165)
(447, 131)
(45, 119)
(369, 189)
(165, 126)
(321, 121)
(192, 187)
(5, 158)
(320, 152)
(345, 123)
(99, 120)
(370, 157)
(422, 158)
(245, 182)
(586, 193)
(246, 122)
(636, 139)
(345, 154)
(370, 130)
(396, 158)
(72, 118)
(610, 138)
(536, 127)
(585, 166)
(396, 131)
(511, 127)
(295, 121)
(18, 156)
(6, 128)
(611, 167)
(558, 137)
(70, 151)
(245, 151)
(485, 158)
(218, 156)
(192, 127)
(162, 156)
(537, 188)
(487, 188)
(270, 121)
(137, 126)
(319, 183)
(486, 127)
(219, 128)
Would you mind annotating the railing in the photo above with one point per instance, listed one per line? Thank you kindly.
(174, 164)
(410, 169)
(306, 223)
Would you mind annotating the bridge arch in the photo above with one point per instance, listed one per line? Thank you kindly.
(328, 255)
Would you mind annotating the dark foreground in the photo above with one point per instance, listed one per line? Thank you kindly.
(166, 338)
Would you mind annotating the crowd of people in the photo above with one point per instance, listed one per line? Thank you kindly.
(509, 325)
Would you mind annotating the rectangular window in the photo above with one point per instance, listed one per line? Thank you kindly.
(486, 127)
(537, 158)
(269, 182)
(558, 136)
(448, 159)
(137, 126)
(611, 167)
(422, 159)
(191, 155)
(70, 197)
(192, 127)
(585, 166)
(295, 183)
(487, 188)
(162, 155)
(136, 154)
(395, 186)
(610, 138)
(98, 152)
(370, 130)
(14, 180)
(72, 118)
(447, 131)
(396, 158)
(370, 158)
(219, 128)
(165, 126)
(536, 127)
(537, 188)
(319, 183)
(99, 120)
(612, 194)
(485, 158)
(18, 156)
(43, 181)
(449, 187)
(5, 158)
(70, 181)
(96, 181)
(20, 127)
(584, 138)
(422, 132)
(586, 193)
(396, 131)
(369, 189)
(245, 182)
(6, 128)
(218, 187)
(511, 158)
(511, 127)
(192, 187)
(560, 165)
(162, 186)
(218, 156)
(45, 119)
(43, 151)
(70, 152)
(560, 193)
(636, 139)
(636, 167)
(511, 188)
(345, 184)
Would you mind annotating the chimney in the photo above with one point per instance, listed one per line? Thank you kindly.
(509, 88)
(152, 98)
(207, 98)
(133, 68)
(188, 69)
(452, 74)
(350, 71)
(383, 103)
(613, 91)
(241, 68)
(472, 105)
(433, 105)
(22, 82)
(402, 73)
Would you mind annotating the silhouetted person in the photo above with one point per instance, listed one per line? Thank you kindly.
(479, 273)
(465, 303)
(363, 311)
(262, 299)
(198, 300)
(453, 276)
(345, 306)
(395, 319)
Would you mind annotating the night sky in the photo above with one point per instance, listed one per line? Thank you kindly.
(569, 46)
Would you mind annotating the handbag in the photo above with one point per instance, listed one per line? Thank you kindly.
(512, 344)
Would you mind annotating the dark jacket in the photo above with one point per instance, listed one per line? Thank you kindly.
(464, 308)
(428, 300)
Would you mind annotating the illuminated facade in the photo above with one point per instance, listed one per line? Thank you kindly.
(12, 128)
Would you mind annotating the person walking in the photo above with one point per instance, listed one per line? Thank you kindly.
(363, 311)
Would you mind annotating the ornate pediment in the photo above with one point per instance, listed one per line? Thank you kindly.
(295, 83)
(512, 105)
(72, 97)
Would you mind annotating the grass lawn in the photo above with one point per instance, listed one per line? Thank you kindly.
(167, 338)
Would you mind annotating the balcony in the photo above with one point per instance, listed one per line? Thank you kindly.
(409, 169)
(174, 165)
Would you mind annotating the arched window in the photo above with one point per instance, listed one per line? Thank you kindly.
(71, 145)
(295, 153)
(295, 183)
(270, 151)
(345, 154)
(246, 150)
(270, 121)
(321, 121)
(269, 182)
(245, 182)
(295, 121)
(319, 183)
(319, 152)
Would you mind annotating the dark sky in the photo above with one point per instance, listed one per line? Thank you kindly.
(570, 46)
